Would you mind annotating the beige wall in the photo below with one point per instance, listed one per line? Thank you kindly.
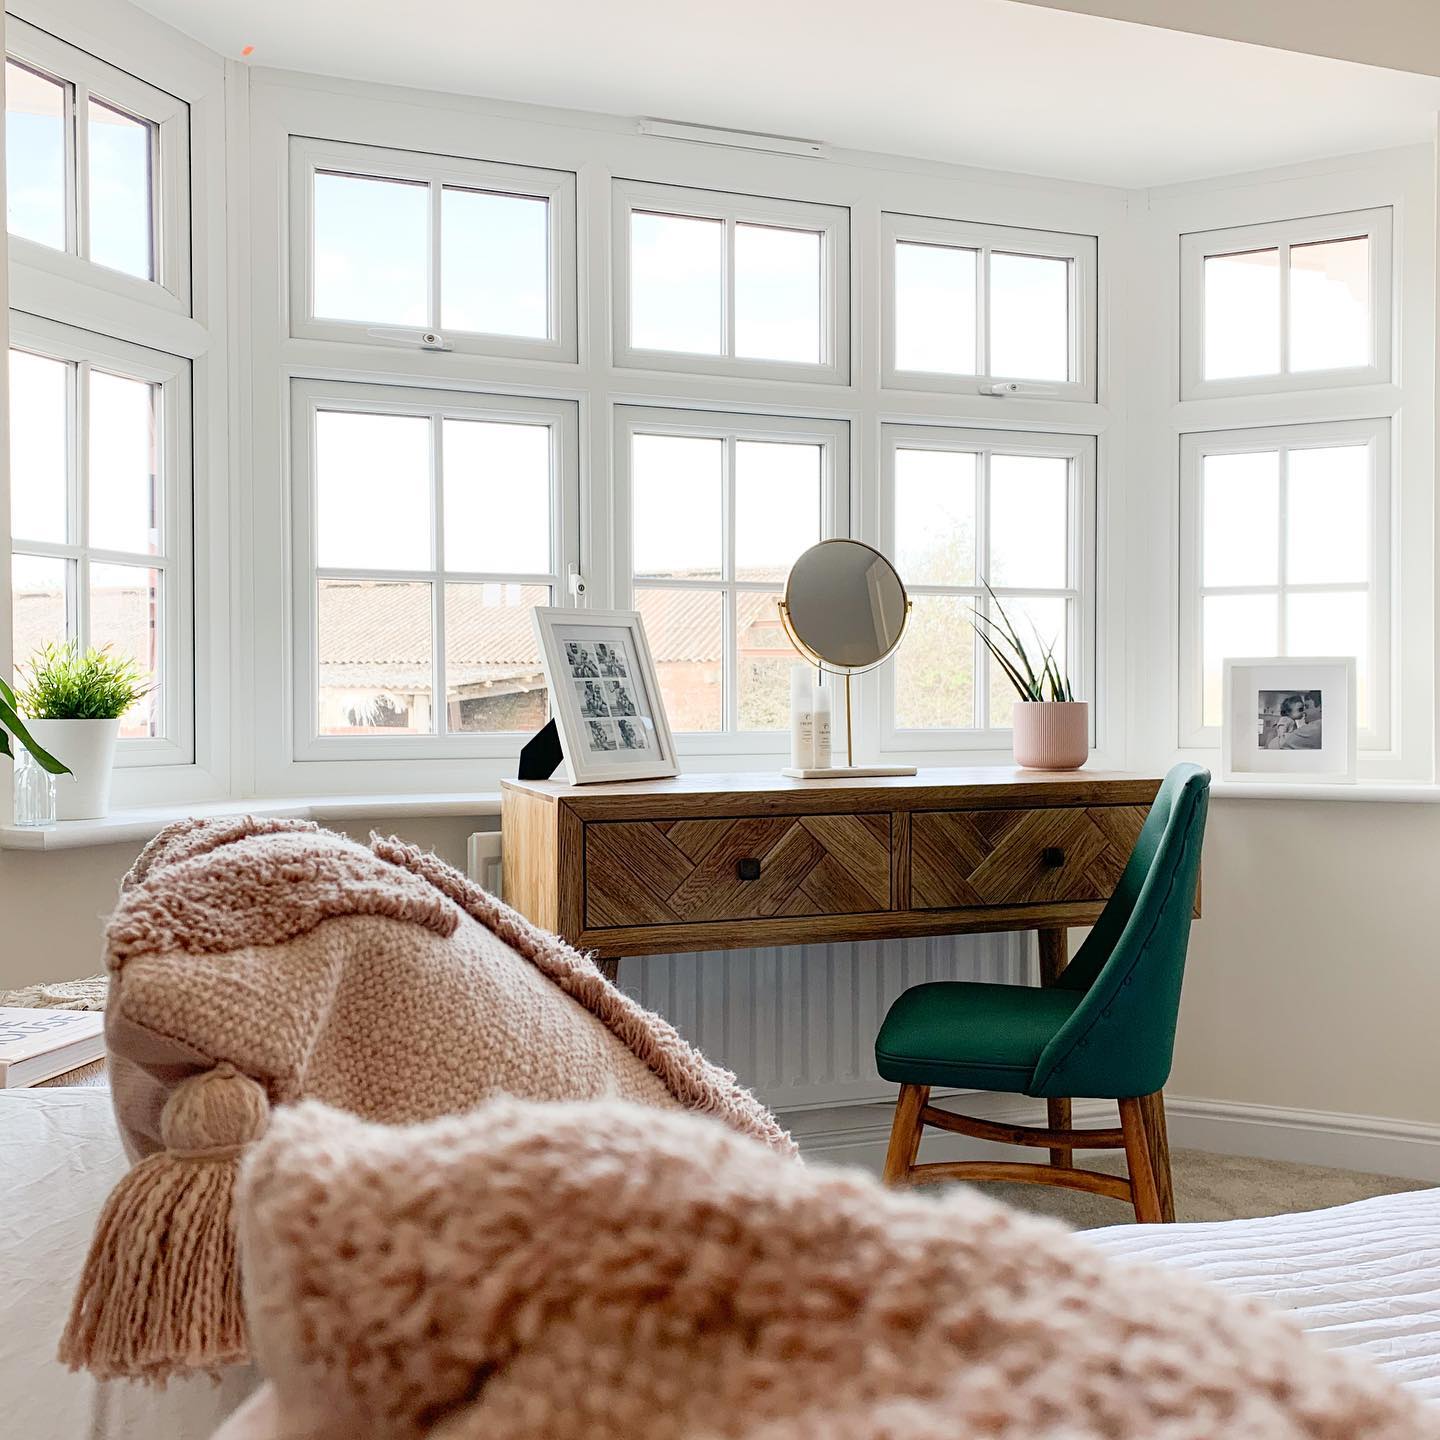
(53, 906)
(1314, 977)
(1314, 974)
(1398, 34)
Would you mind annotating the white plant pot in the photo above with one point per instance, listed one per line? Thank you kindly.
(88, 748)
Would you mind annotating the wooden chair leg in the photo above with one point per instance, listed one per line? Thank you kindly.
(1143, 1193)
(1152, 1109)
(1054, 956)
(1057, 1117)
(905, 1132)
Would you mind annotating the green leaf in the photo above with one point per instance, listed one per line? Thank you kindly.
(11, 721)
(1022, 689)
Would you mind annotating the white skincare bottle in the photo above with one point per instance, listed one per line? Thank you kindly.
(802, 719)
(822, 727)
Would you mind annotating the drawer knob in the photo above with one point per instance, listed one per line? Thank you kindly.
(1052, 857)
(748, 869)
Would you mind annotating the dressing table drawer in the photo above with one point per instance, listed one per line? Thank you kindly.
(669, 872)
(972, 858)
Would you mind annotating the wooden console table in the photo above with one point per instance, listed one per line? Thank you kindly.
(724, 862)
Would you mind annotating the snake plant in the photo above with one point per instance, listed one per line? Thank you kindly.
(1003, 642)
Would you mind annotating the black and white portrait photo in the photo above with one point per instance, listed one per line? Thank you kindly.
(1289, 719)
(611, 660)
(619, 698)
(592, 699)
(600, 736)
(632, 735)
(582, 662)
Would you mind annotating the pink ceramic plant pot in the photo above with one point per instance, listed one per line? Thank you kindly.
(1052, 734)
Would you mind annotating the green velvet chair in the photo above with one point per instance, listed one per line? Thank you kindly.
(1105, 1029)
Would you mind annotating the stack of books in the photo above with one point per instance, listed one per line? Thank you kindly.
(37, 1045)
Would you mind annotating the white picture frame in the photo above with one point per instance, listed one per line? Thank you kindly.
(604, 695)
(1290, 720)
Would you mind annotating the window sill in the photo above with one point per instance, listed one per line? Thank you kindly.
(130, 826)
(1394, 792)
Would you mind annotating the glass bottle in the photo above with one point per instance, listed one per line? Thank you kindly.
(34, 792)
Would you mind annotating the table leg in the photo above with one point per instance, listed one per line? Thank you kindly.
(1054, 956)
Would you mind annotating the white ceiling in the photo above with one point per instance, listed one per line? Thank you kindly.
(980, 82)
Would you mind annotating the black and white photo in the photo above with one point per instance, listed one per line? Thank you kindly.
(582, 662)
(611, 660)
(1289, 720)
(618, 698)
(632, 734)
(600, 736)
(592, 699)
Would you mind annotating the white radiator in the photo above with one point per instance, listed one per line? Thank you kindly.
(796, 1023)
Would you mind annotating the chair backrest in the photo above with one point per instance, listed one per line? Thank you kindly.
(1120, 1039)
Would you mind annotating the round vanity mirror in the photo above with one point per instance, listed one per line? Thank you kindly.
(845, 607)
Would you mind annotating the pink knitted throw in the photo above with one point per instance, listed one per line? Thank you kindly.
(599, 1272)
(254, 962)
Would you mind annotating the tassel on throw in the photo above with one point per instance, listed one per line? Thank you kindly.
(160, 1292)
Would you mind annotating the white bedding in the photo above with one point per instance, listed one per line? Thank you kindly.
(1363, 1277)
(60, 1154)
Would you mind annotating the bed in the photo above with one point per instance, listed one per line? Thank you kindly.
(1362, 1277)
(60, 1154)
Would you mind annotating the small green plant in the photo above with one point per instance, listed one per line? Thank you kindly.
(1003, 642)
(67, 683)
(12, 724)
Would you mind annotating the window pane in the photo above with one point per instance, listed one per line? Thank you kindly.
(765, 656)
(497, 497)
(934, 668)
(685, 629)
(935, 308)
(1028, 511)
(372, 250)
(1029, 317)
(493, 677)
(121, 233)
(777, 506)
(125, 618)
(1041, 625)
(1242, 519)
(1234, 627)
(935, 517)
(34, 156)
(1327, 506)
(676, 263)
(1242, 314)
(1333, 624)
(777, 293)
(676, 483)
(1330, 304)
(494, 263)
(39, 427)
(37, 589)
(372, 482)
(374, 658)
(124, 485)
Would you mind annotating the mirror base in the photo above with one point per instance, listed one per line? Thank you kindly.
(846, 772)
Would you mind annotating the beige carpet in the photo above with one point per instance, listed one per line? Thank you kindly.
(1210, 1187)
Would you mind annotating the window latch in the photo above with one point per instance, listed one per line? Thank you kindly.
(578, 588)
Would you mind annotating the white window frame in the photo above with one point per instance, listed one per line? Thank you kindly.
(1376, 225)
(85, 75)
(833, 438)
(311, 396)
(176, 648)
(436, 172)
(1079, 250)
(1195, 447)
(1081, 540)
(831, 221)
